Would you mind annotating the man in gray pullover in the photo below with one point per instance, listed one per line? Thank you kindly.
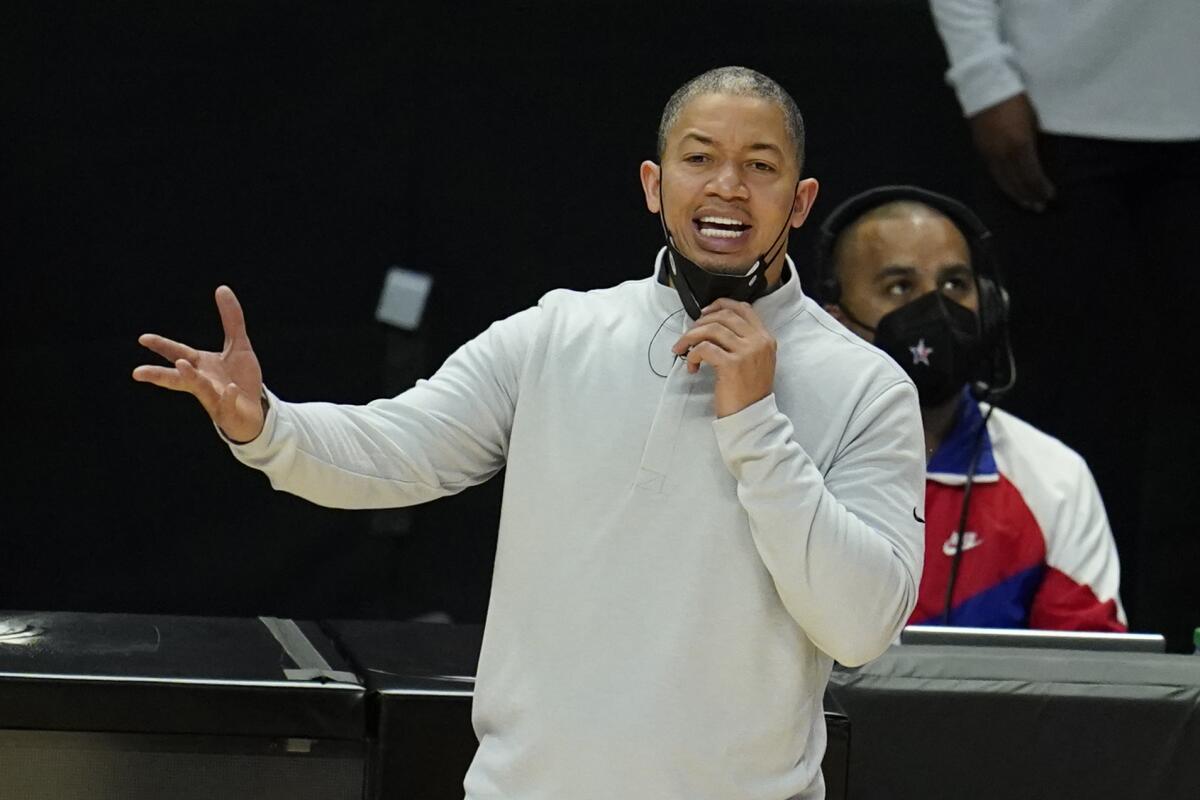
(690, 534)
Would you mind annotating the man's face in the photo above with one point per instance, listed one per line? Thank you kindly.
(886, 263)
(728, 181)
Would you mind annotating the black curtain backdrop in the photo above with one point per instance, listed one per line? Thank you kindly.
(295, 151)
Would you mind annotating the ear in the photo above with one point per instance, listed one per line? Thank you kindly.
(651, 175)
(802, 203)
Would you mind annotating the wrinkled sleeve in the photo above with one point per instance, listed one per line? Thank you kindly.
(845, 548)
(439, 437)
(982, 68)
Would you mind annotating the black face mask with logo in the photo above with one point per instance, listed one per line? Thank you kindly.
(937, 341)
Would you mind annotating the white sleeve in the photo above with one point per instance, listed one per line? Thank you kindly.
(443, 435)
(845, 549)
(982, 69)
(1079, 590)
(1081, 548)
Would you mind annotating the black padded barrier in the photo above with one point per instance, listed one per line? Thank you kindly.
(991, 722)
(136, 707)
(130, 707)
(421, 679)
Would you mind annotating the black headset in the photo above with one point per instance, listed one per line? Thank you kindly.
(997, 373)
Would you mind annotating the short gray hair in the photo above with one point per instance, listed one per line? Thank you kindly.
(741, 81)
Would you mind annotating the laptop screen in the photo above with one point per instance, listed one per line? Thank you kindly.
(1013, 637)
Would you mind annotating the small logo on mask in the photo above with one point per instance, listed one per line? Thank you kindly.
(971, 540)
(920, 353)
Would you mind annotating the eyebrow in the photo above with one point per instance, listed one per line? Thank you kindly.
(955, 269)
(894, 271)
(766, 146)
(698, 138)
(706, 140)
(904, 271)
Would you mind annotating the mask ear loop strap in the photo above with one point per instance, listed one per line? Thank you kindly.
(855, 319)
(764, 260)
(687, 295)
(662, 212)
(782, 238)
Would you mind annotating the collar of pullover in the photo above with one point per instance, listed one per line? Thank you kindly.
(776, 307)
(952, 460)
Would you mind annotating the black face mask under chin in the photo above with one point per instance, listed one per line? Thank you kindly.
(936, 340)
(697, 287)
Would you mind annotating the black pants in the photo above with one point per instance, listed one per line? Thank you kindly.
(1104, 285)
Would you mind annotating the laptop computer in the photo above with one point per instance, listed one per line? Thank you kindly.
(1019, 637)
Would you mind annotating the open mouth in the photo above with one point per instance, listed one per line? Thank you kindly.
(721, 227)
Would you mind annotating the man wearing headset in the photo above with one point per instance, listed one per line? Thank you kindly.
(689, 536)
(1016, 535)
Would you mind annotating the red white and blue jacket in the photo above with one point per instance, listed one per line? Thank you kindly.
(1038, 551)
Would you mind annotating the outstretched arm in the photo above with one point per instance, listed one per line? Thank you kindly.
(228, 384)
(444, 434)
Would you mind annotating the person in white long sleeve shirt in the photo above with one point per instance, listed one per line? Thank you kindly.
(689, 536)
(1118, 70)
(1087, 115)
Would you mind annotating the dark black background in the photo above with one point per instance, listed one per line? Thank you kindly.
(295, 151)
